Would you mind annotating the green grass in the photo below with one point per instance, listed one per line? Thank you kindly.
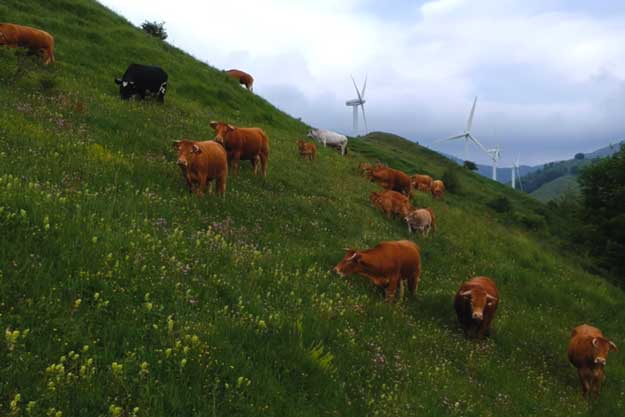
(119, 290)
(556, 188)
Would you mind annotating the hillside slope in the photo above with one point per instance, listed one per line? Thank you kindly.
(554, 189)
(123, 295)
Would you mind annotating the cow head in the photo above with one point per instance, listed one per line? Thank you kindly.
(601, 348)
(312, 133)
(221, 130)
(479, 299)
(126, 88)
(186, 152)
(351, 263)
(3, 38)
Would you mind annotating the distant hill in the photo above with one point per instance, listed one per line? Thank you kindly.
(555, 188)
(535, 177)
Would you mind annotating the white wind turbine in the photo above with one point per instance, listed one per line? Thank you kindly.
(495, 156)
(516, 173)
(467, 136)
(360, 101)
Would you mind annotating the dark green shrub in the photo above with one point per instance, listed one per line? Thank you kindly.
(451, 180)
(470, 165)
(155, 29)
(500, 204)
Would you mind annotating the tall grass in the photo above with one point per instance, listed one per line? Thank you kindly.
(123, 295)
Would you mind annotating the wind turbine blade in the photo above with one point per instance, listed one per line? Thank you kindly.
(357, 92)
(451, 138)
(364, 87)
(364, 118)
(470, 121)
(477, 143)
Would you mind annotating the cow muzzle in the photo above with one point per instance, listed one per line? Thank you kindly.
(600, 361)
(478, 316)
(182, 163)
(338, 271)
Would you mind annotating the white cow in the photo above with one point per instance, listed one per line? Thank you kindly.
(330, 138)
(422, 220)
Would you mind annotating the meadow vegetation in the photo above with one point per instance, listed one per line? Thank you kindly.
(123, 295)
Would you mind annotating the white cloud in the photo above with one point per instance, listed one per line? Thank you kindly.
(545, 74)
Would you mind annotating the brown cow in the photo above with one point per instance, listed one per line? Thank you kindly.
(476, 303)
(386, 265)
(588, 352)
(201, 162)
(391, 202)
(35, 40)
(422, 220)
(243, 143)
(438, 189)
(365, 168)
(422, 182)
(392, 179)
(242, 77)
(307, 150)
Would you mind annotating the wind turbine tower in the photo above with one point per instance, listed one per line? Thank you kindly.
(358, 102)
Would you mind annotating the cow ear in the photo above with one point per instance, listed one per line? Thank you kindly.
(175, 143)
(489, 297)
(594, 341)
(118, 81)
(196, 149)
(230, 128)
(466, 294)
(613, 347)
(214, 124)
(355, 257)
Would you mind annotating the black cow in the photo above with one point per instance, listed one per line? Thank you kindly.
(141, 80)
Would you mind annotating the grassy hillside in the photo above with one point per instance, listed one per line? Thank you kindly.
(556, 188)
(123, 295)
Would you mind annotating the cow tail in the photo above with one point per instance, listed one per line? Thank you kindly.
(433, 219)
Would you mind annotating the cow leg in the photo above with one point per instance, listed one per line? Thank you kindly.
(584, 382)
(391, 289)
(402, 290)
(263, 160)
(202, 185)
(221, 185)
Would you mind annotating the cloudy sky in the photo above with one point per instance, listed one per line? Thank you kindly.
(549, 74)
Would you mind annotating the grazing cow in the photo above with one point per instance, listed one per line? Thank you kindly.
(202, 162)
(422, 220)
(438, 189)
(35, 40)
(365, 168)
(243, 144)
(422, 182)
(386, 265)
(588, 352)
(391, 202)
(476, 303)
(142, 80)
(392, 179)
(307, 150)
(242, 77)
(329, 138)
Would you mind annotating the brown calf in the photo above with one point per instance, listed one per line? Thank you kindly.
(475, 304)
(392, 179)
(391, 202)
(201, 162)
(438, 189)
(243, 143)
(386, 265)
(35, 40)
(307, 150)
(242, 77)
(588, 352)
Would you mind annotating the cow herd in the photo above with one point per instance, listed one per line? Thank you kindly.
(387, 265)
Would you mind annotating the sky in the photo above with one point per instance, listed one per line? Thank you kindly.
(549, 74)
